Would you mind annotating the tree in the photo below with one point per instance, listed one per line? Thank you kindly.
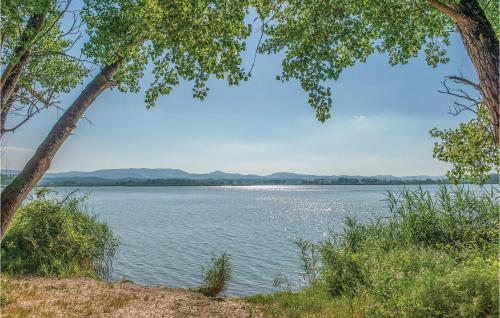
(321, 38)
(184, 40)
(36, 65)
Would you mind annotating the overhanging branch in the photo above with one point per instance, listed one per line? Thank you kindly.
(447, 9)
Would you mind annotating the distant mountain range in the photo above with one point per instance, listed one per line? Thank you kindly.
(176, 177)
(149, 174)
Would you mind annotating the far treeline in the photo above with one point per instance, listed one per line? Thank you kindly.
(75, 182)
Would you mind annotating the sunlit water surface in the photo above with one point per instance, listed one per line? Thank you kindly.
(168, 233)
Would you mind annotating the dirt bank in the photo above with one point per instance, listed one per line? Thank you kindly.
(84, 297)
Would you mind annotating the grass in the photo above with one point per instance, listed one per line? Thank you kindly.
(435, 256)
(216, 276)
(56, 298)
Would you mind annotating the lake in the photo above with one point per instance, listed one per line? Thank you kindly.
(168, 233)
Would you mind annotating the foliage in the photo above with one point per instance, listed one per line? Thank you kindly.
(435, 256)
(320, 39)
(460, 219)
(470, 148)
(468, 290)
(51, 69)
(309, 302)
(189, 40)
(216, 276)
(51, 237)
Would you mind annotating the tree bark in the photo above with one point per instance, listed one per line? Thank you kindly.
(481, 44)
(12, 73)
(14, 194)
(5, 111)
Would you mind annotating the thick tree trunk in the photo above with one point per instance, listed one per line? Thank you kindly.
(14, 194)
(12, 73)
(481, 44)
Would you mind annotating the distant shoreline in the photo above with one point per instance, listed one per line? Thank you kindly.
(92, 181)
(225, 184)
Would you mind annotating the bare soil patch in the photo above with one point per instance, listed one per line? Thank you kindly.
(85, 297)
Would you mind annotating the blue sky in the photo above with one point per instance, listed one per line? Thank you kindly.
(379, 125)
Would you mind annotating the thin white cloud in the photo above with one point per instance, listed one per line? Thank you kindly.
(358, 117)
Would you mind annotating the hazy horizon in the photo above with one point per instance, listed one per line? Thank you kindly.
(234, 172)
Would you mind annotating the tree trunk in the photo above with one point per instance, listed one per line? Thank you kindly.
(14, 194)
(12, 73)
(481, 44)
(5, 111)
(15, 74)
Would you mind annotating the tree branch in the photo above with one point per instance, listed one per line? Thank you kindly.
(46, 102)
(459, 107)
(465, 81)
(447, 9)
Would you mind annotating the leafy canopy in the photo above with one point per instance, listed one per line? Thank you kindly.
(470, 148)
(320, 39)
(190, 40)
(51, 69)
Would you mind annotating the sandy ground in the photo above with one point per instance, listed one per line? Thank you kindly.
(83, 297)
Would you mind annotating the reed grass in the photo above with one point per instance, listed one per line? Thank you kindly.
(216, 276)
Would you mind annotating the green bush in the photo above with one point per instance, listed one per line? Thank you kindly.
(216, 276)
(343, 272)
(468, 290)
(51, 237)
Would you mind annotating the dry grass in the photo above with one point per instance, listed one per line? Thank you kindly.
(84, 297)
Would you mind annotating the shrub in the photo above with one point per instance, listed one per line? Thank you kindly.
(51, 237)
(343, 271)
(216, 276)
(468, 290)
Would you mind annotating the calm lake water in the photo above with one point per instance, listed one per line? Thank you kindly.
(168, 233)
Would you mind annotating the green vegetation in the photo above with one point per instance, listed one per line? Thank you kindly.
(37, 62)
(320, 39)
(470, 147)
(51, 237)
(216, 276)
(435, 256)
